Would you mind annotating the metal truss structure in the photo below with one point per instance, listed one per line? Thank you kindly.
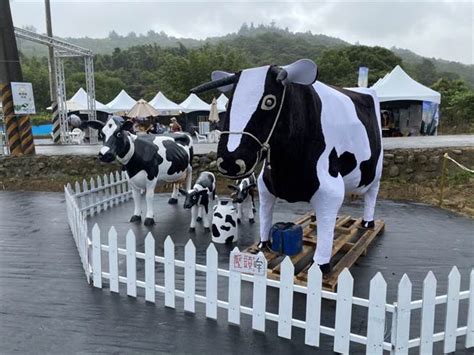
(62, 50)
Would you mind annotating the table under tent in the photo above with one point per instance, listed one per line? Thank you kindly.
(408, 107)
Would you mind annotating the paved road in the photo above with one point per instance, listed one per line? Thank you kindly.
(44, 146)
(46, 305)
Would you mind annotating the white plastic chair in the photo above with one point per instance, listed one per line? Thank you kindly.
(77, 136)
(200, 138)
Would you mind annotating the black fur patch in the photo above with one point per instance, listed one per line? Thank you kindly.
(229, 219)
(225, 228)
(347, 163)
(215, 231)
(217, 214)
(145, 157)
(333, 163)
(177, 155)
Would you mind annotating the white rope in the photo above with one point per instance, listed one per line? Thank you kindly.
(458, 164)
(265, 146)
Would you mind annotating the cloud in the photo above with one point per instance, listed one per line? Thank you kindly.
(431, 28)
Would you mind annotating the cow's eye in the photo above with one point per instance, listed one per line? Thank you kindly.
(119, 134)
(268, 102)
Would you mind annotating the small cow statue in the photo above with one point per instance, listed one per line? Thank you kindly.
(148, 160)
(242, 191)
(318, 142)
(197, 199)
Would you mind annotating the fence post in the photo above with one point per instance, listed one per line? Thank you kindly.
(92, 197)
(259, 297)
(470, 313)
(96, 256)
(131, 264)
(342, 327)
(443, 176)
(234, 293)
(285, 302)
(376, 315)
(113, 261)
(149, 268)
(402, 332)
(428, 314)
(452, 310)
(169, 273)
(313, 306)
(211, 282)
(189, 276)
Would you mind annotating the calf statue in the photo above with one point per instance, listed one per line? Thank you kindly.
(317, 142)
(242, 190)
(148, 159)
(197, 199)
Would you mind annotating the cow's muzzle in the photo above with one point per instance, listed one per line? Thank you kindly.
(107, 157)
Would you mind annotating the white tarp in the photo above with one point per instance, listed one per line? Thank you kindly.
(123, 102)
(165, 106)
(221, 103)
(194, 103)
(398, 85)
(79, 102)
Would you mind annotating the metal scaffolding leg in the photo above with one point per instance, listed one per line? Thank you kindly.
(90, 85)
(61, 95)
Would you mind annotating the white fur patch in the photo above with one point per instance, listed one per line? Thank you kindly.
(109, 129)
(104, 150)
(247, 95)
(129, 154)
(166, 164)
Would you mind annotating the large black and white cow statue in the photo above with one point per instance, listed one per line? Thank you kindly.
(244, 193)
(197, 199)
(318, 141)
(148, 159)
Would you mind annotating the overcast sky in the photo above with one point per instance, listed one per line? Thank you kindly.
(441, 29)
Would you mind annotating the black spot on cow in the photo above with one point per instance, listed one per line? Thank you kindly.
(347, 163)
(217, 214)
(177, 155)
(229, 240)
(365, 109)
(145, 157)
(226, 228)
(215, 231)
(229, 220)
(333, 163)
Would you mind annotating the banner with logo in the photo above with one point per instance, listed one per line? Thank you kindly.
(23, 99)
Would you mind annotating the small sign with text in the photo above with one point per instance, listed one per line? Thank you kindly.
(254, 264)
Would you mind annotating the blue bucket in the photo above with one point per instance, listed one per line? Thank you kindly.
(287, 238)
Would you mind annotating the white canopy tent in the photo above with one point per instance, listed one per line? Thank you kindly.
(221, 103)
(165, 106)
(398, 86)
(79, 102)
(123, 102)
(194, 103)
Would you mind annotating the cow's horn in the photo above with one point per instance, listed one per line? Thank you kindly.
(214, 84)
(280, 73)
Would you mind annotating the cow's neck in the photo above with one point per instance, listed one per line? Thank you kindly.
(125, 158)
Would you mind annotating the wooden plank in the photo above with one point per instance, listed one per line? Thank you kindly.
(402, 321)
(452, 310)
(470, 314)
(234, 292)
(313, 306)
(131, 264)
(428, 314)
(150, 268)
(169, 273)
(96, 257)
(376, 315)
(259, 299)
(189, 276)
(113, 261)
(211, 282)
(343, 239)
(285, 303)
(305, 218)
(342, 327)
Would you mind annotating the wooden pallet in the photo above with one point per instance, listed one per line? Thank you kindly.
(350, 242)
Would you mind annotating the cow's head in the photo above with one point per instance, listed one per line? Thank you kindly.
(254, 103)
(115, 135)
(194, 196)
(241, 191)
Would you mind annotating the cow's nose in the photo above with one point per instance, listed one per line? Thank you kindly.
(230, 167)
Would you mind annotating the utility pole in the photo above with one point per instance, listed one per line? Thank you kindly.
(18, 128)
(53, 87)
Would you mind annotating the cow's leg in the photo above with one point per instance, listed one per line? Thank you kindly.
(251, 210)
(194, 213)
(174, 196)
(150, 193)
(199, 213)
(326, 203)
(137, 201)
(370, 198)
(239, 212)
(206, 217)
(189, 177)
(267, 202)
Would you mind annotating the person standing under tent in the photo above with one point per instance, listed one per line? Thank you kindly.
(175, 126)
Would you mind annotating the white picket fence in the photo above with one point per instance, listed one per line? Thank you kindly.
(381, 315)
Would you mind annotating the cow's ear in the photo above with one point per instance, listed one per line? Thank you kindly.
(218, 75)
(233, 187)
(183, 192)
(92, 124)
(303, 71)
(252, 185)
(126, 126)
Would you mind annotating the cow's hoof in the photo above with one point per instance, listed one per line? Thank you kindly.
(199, 219)
(135, 219)
(149, 222)
(251, 221)
(325, 268)
(254, 210)
(192, 229)
(367, 224)
(173, 201)
(207, 229)
(238, 220)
